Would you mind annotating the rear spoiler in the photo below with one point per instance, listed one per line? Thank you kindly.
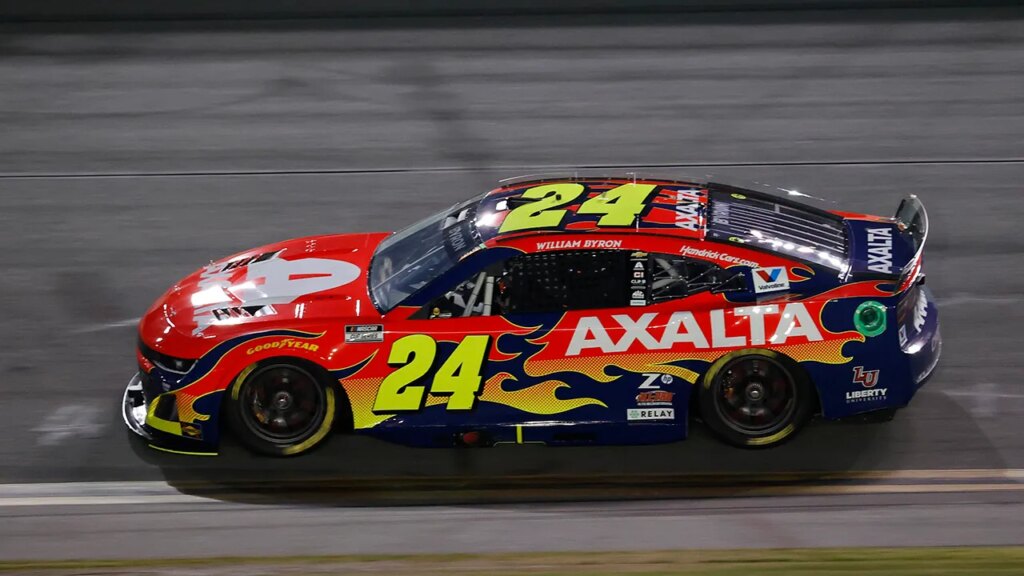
(912, 220)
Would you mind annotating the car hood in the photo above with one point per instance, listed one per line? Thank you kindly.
(292, 283)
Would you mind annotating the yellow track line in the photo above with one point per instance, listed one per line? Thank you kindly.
(963, 474)
(837, 490)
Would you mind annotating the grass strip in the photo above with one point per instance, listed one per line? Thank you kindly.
(960, 561)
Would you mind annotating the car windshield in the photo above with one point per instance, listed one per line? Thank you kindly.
(413, 257)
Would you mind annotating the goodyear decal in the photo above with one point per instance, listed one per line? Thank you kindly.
(285, 344)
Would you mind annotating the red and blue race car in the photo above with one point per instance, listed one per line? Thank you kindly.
(555, 311)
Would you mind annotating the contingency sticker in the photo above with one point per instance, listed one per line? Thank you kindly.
(638, 281)
(650, 414)
(364, 333)
(770, 279)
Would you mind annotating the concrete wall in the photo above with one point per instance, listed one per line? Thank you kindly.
(68, 10)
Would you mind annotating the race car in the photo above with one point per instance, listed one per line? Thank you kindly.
(561, 311)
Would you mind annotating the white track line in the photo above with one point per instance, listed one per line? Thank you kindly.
(866, 482)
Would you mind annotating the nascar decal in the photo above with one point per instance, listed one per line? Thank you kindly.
(361, 333)
(770, 279)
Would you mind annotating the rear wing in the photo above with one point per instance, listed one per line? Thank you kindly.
(912, 220)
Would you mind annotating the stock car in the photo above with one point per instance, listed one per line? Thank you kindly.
(559, 311)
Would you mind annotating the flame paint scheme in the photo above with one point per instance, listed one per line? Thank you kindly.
(451, 356)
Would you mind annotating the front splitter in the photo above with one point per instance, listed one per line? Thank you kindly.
(133, 408)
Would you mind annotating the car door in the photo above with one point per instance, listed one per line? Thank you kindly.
(478, 330)
(549, 342)
(610, 322)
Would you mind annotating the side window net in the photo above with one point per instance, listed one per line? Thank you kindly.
(534, 283)
(557, 281)
(576, 280)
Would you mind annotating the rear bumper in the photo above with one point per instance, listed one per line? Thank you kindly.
(884, 371)
(924, 361)
(920, 337)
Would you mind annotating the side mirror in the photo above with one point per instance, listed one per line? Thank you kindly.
(735, 283)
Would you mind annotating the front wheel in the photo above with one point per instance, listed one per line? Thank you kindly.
(755, 399)
(280, 408)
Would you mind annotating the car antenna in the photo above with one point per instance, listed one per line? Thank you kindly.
(636, 218)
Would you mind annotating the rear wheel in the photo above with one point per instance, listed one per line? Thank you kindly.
(756, 398)
(281, 408)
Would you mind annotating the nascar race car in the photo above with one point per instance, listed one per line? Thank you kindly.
(555, 311)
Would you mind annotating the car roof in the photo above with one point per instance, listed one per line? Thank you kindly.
(693, 210)
(673, 207)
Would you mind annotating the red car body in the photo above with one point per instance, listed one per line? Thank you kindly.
(602, 363)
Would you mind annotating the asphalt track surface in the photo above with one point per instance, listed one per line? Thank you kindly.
(129, 158)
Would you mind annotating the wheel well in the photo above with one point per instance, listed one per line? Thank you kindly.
(797, 370)
(800, 372)
(343, 410)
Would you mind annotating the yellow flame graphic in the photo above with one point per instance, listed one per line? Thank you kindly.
(541, 398)
(186, 409)
(593, 367)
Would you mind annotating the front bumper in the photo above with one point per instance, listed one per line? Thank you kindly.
(134, 408)
(162, 435)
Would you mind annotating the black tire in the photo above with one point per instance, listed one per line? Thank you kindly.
(281, 408)
(755, 398)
